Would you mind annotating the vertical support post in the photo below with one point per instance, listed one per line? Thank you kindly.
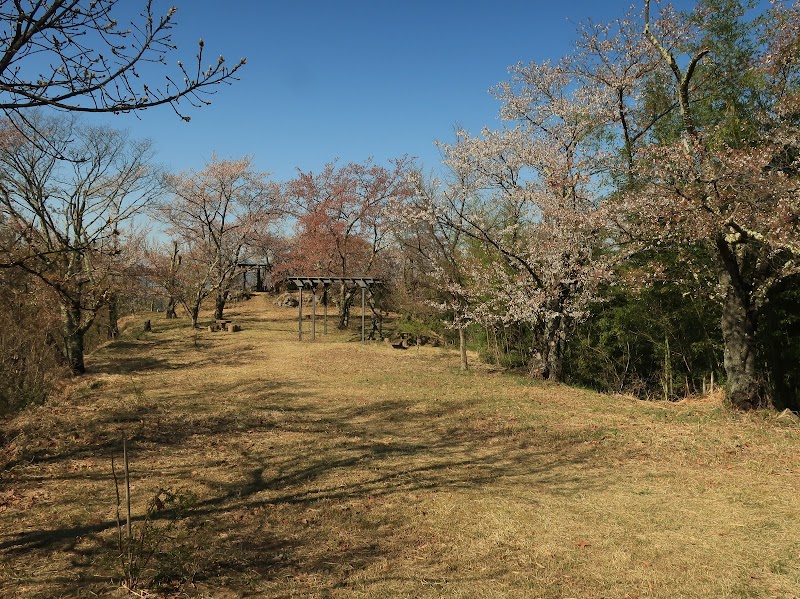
(300, 317)
(379, 307)
(128, 528)
(363, 312)
(313, 312)
(325, 305)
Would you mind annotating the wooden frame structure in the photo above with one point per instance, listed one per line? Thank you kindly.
(315, 283)
(261, 269)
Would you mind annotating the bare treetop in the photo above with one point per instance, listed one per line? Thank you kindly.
(74, 55)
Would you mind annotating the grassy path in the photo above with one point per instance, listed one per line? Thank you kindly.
(332, 469)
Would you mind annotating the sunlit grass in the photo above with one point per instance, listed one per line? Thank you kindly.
(335, 469)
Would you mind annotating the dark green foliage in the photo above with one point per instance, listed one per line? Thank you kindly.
(780, 344)
(422, 327)
(508, 346)
(660, 342)
(732, 89)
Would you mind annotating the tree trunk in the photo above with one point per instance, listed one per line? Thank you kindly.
(555, 355)
(739, 325)
(219, 305)
(547, 361)
(344, 312)
(666, 376)
(175, 262)
(537, 365)
(376, 332)
(74, 337)
(113, 317)
(374, 302)
(194, 313)
(170, 312)
(462, 347)
(345, 301)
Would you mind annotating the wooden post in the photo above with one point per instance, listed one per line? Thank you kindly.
(313, 313)
(325, 306)
(300, 317)
(127, 490)
(363, 313)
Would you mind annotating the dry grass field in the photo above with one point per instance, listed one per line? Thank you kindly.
(332, 469)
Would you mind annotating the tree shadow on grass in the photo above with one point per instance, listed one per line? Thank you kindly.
(311, 453)
(127, 356)
(146, 423)
(392, 470)
(400, 467)
(130, 356)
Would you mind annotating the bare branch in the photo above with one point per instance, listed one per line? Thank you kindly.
(95, 62)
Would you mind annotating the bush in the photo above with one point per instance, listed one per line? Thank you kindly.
(31, 365)
(659, 342)
(780, 344)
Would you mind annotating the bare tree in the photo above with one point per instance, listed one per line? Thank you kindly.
(63, 213)
(162, 264)
(75, 55)
(430, 233)
(216, 214)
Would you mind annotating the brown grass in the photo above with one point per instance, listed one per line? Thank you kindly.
(332, 469)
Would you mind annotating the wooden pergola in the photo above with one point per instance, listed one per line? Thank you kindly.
(314, 283)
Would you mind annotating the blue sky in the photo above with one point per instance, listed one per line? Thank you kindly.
(353, 78)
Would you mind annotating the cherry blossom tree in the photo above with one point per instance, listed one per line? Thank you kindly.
(537, 187)
(615, 59)
(215, 214)
(727, 182)
(342, 220)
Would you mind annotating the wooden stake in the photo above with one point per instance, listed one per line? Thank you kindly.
(119, 503)
(127, 490)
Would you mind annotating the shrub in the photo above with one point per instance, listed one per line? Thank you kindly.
(31, 365)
